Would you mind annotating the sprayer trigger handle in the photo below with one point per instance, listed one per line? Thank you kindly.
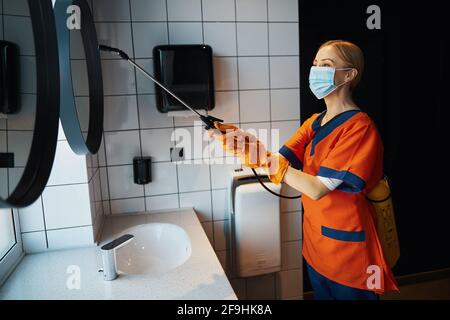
(209, 121)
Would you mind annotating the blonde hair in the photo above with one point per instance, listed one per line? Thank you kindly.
(351, 54)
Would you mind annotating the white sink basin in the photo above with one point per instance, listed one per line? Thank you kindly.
(156, 248)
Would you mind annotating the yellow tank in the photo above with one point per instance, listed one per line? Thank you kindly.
(380, 197)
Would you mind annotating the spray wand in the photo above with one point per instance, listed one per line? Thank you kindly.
(207, 120)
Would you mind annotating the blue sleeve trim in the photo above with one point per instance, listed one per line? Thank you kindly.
(351, 236)
(352, 183)
(291, 157)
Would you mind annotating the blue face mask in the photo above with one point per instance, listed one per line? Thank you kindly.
(321, 80)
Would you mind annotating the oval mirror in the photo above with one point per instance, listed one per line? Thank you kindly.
(81, 76)
(30, 112)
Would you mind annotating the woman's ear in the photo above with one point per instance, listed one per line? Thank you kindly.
(352, 74)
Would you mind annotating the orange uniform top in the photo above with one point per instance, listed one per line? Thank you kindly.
(339, 234)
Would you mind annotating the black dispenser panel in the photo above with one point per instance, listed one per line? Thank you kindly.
(9, 72)
(186, 70)
(142, 170)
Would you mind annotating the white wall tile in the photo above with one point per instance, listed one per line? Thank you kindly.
(225, 73)
(76, 45)
(285, 104)
(32, 217)
(187, 119)
(16, 7)
(291, 226)
(107, 10)
(118, 77)
(120, 113)
(164, 179)
(154, 34)
(286, 130)
(227, 106)
(24, 120)
(290, 205)
(200, 201)
(252, 39)
(221, 37)
(208, 228)
(104, 183)
(253, 73)
(102, 153)
(289, 283)
(283, 10)
(34, 242)
(68, 167)
(122, 146)
(19, 143)
(283, 38)
(222, 235)
(261, 287)
(128, 205)
(19, 31)
(184, 10)
(291, 255)
(3, 185)
(254, 105)
(284, 72)
(144, 10)
(117, 35)
(149, 116)
(193, 177)
(106, 208)
(168, 201)
(27, 77)
(219, 10)
(66, 206)
(121, 183)
(194, 141)
(82, 105)
(14, 176)
(251, 10)
(156, 143)
(185, 33)
(61, 135)
(220, 205)
(70, 238)
(144, 84)
(79, 76)
(221, 173)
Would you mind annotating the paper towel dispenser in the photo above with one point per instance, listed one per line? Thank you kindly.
(187, 70)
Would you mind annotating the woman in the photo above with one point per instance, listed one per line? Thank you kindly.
(334, 159)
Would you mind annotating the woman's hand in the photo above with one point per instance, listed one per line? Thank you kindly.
(242, 144)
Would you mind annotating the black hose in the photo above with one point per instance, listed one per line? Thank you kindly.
(272, 192)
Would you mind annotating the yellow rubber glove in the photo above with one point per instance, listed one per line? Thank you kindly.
(251, 151)
(241, 144)
(276, 167)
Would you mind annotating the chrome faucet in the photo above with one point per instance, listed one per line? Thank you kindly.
(109, 256)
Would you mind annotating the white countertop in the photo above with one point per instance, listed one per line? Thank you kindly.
(45, 275)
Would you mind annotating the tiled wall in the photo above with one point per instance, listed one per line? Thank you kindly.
(256, 68)
(63, 216)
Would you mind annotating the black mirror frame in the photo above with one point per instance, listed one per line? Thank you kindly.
(43, 145)
(69, 115)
